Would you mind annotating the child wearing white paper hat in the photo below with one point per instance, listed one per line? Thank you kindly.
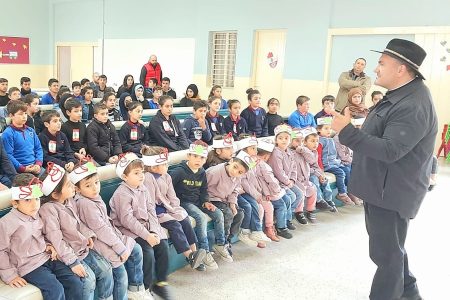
(121, 251)
(284, 168)
(72, 240)
(170, 214)
(222, 150)
(25, 255)
(133, 212)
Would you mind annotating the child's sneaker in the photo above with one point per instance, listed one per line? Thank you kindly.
(333, 206)
(355, 199)
(245, 238)
(311, 217)
(300, 216)
(222, 251)
(284, 232)
(209, 262)
(261, 245)
(290, 226)
(139, 295)
(259, 236)
(271, 234)
(323, 205)
(162, 290)
(345, 199)
(149, 295)
(196, 258)
(201, 268)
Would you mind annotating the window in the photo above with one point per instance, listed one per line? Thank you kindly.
(222, 58)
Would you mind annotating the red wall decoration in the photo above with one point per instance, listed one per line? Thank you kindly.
(14, 50)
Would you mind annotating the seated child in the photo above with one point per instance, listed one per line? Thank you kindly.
(14, 93)
(303, 172)
(216, 92)
(255, 115)
(302, 118)
(7, 171)
(32, 101)
(102, 138)
(121, 251)
(223, 188)
(275, 199)
(234, 123)
(250, 201)
(355, 106)
(215, 120)
(327, 104)
(133, 212)
(138, 95)
(273, 118)
(282, 162)
(25, 256)
(124, 100)
(76, 90)
(21, 142)
(55, 144)
(376, 97)
(222, 150)
(195, 127)
(170, 214)
(317, 176)
(157, 93)
(133, 133)
(332, 164)
(88, 106)
(189, 182)
(74, 129)
(110, 100)
(72, 240)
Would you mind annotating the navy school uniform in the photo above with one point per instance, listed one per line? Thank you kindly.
(193, 131)
(132, 136)
(236, 127)
(76, 134)
(56, 148)
(216, 124)
(103, 141)
(256, 121)
(167, 133)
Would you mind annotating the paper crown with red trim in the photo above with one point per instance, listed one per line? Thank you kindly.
(307, 131)
(247, 142)
(31, 191)
(247, 159)
(296, 133)
(266, 145)
(226, 142)
(156, 160)
(198, 150)
(83, 171)
(124, 161)
(282, 128)
(55, 174)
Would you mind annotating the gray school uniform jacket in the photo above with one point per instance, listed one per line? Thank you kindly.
(133, 212)
(64, 230)
(392, 153)
(250, 185)
(110, 242)
(283, 166)
(222, 187)
(22, 245)
(311, 157)
(345, 154)
(270, 186)
(303, 173)
(169, 200)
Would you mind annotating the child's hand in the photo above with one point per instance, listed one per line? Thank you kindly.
(69, 167)
(113, 160)
(233, 209)
(29, 169)
(153, 239)
(3, 187)
(82, 152)
(18, 282)
(79, 270)
(267, 198)
(79, 156)
(209, 206)
(36, 169)
(52, 251)
(90, 243)
(322, 179)
(124, 256)
(202, 122)
(291, 183)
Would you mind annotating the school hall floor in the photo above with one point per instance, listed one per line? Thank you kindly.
(329, 260)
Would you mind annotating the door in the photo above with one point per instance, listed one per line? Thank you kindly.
(74, 63)
(268, 62)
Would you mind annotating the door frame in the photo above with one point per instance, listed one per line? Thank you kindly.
(71, 44)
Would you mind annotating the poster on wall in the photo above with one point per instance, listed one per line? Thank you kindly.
(14, 50)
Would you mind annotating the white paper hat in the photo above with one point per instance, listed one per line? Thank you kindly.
(358, 122)
(296, 133)
(198, 150)
(324, 121)
(156, 160)
(266, 145)
(30, 191)
(282, 128)
(242, 155)
(307, 131)
(124, 161)
(226, 142)
(247, 142)
(55, 174)
(82, 172)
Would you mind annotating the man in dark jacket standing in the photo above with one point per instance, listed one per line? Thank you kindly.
(392, 155)
(152, 69)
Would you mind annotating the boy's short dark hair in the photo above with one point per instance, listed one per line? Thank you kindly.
(154, 80)
(29, 98)
(133, 165)
(165, 79)
(76, 83)
(157, 88)
(84, 80)
(71, 103)
(263, 152)
(22, 179)
(239, 161)
(52, 81)
(231, 102)
(301, 99)
(329, 98)
(99, 106)
(103, 76)
(86, 178)
(3, 80)
(13, 89)
(24, 79)
(48, 115)
(107, 95)
(319, 127)
(163, 99)
(310, 136)
(14, 106)
(199, 104)
(85, 89)
(374, 93)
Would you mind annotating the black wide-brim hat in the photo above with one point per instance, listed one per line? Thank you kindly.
(406, 51)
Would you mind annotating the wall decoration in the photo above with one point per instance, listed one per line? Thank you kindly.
(14, 50)
(273, 60)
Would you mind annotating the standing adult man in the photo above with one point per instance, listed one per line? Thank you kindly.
(350, 79)
(392, 158)
(152, 69)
